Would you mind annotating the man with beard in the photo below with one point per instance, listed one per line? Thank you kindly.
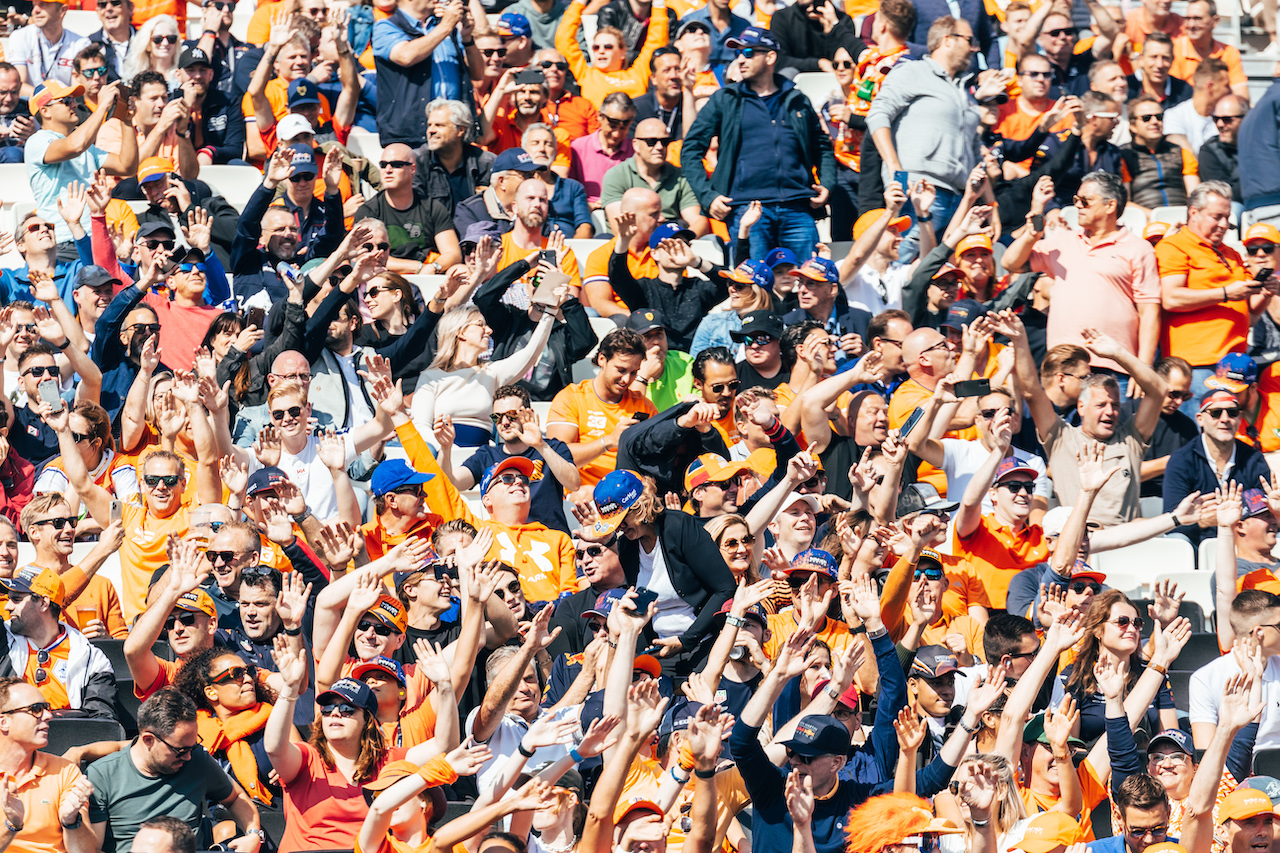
(218, 129)
(514, 108)
(68, 670)
(419, 227)
(526, 237)
(449, 167)
(511, 168)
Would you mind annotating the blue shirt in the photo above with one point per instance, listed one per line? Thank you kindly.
(568, 207)
(48, 180)
(15, 285)
(721, 53)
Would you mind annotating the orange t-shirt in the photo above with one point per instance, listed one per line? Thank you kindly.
(1269, 414)
(259, 31)
(998, 553)
(573, 114)
(509, 135)
(1019, 118)
(579, 406)
(1186, 58)
(1135, 27)
(596, 270)
(98, 601)
(145, 10)
(512, 253)
(1207, 334)
(168, 671)
(143, 551)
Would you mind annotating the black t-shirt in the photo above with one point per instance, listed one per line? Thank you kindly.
(546, 496)
(412, 232)
(750, 378)
(31, 438)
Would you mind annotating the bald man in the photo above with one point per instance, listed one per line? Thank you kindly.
(529, 211)
(420, 229)
(649, 168)
(288, 366)
(647, 206)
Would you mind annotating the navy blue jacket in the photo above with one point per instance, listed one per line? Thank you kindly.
(254, 269)
(851, 320)
(1189, 470)
(323, 228)
(110, 355)
(1260, 151)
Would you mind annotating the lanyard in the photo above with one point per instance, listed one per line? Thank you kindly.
(45, 69)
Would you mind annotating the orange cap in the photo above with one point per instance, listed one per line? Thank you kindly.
(1157, 230)
(51, 90)
(1244, 803)
(973, 241)
(871, 217)
(1047, 831)
(1262, 231)
(154, 167)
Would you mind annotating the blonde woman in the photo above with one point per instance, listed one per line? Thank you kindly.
(155, 48)
(749, 285)
(740, 548)
(1008, 813)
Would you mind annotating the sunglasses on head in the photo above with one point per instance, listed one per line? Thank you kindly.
(342, 709)
(559, 66)
(186, 619)
(40, 370)
(294, 412)
(164, 39)
(55, 523)
(731, 544)
(1260, 248)
(382, 630)
(1078, 587)
(235, 673)
(932, 573)
(154, 480)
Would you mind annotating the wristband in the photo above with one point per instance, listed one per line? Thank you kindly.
(1158, 668)
(972, 731)
(677, 778)
(76, 824)
(735, 621)
(576, 756)
(1225, 298)
(9, 826)
(1174, 516)
(882, 632)
(928, 217)
(302, 516)
(64, 344)
(527, 753)
(292, 632)
(642, 379)
(705, 774)
(977, 822)
(859, 629)
(208, 149)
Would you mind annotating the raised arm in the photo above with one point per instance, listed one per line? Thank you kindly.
(969, 514)
(1065, 632)
(1042, 412)
(506, 682)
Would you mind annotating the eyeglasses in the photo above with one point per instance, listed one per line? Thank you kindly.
(932, 573)
(154, 480)
(939, 345)
(732, 544)
(500, 418)
(1229, 411)
(616, 123)
(510, 589)
(988, 414)
(1015, 486)
(55, 523)
(1260, 248)
(721, 387)
(1123, 622)
(843, 64)
(758, 340)
(40, 370)
(378, 628)
(1149, 117)
(413, 490)
(35, 709)
(1174, 758)
(1029, 654)
(39, 226)
(381, 247)
(1078, 587)
(510, 478)
(167, 245)
(227, 557)
(559, 66)
(1154, 831)
(341, 709)
(1038, 75)
(100, 71)
(1180, 395)
(395, 164)
(178, 751)
(295, 377)
(200, 268)
(186, 620)
(164, 39)
(1226, 119)
(490, 51)
(1060, 32)
(653, 141)
(969, 40)
(78, 438)
(235, 673)
(294, 412)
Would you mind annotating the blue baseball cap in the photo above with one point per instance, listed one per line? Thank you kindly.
(1235, 373)
(304, 159)
(670, 230)
(352, 692)
(753, 37)
(264, 479)
(605, 602)
(303, 92)
(777, 257)
(514, 24)
(677, 717)
(393, 474)
(614, 495)
(517, 463)
(514, 160)
(819, 269)
(751, 272)
(1180, 739)
(387, 665)
(815, 560)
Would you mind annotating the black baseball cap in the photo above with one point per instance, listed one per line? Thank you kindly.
(646, 320)
(759, 323)
(94, 276)
(819, 734)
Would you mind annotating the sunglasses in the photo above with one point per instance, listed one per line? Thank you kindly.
(933, 574)
(1229, 411)
(1060, 32)
(186, 620)
(490, 51)
(100, 71)
(55, 523)
(294, 412)
(236, 673)
(1078, 587)
(616, 123)
(592, 551)
(341, 709)
(164, 39)
(1261, 248)
(510, 589)
(376, 627)
(1016, 486)
(559, 66)
(40, 370)
(813, 482)
(178, 751)
(219, 5)
(395, 164)
(731, 544)
(1149, 117)
(146, 328)
(653, 141)
(167, 245)
(111, 4)
(843, 64)
(200, 268)
(24, 327)
(42, 674)
(1226, 119)
(721, 387)
(154, 480)
(758, 340)
(1038, 75)
(381, 247)
(1123, 622)
(508, 478)
(227, 557)
(35, 709)
(748, 52)
(988, 414)
(302, 178)
(39, 226)
(1180, 395)
(595, 626)
(414, 490)
(78, 438)
(503, 417)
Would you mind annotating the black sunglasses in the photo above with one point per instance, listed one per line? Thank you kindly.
(294, 412)
(1078, 587)
(1123, 622)
(342, 709)
(721, 387)
(395, 164)
(55, 523)
(1016, 486)
(376, 627)
(561, 66)
(164, 39)
(40, 370)
(302, 178)
(1261, 248)
(186, 619)
(154, 480)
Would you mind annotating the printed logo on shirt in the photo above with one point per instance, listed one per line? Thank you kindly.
(218, 123)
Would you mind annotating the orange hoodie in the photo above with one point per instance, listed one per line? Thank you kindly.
(596, 84)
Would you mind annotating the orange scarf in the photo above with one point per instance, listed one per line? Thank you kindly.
(228, 736)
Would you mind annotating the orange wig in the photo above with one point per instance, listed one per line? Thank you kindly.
(888, 819)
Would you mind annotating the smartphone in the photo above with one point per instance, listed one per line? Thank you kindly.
(548, 256)
(115, 509)
(910, 423)
(1037, 222)
(49, 394)
(973, 388)
(255, 317)
(530, 77)
(640, 416)
(1264, 274)
(644, 597)
(903, 178)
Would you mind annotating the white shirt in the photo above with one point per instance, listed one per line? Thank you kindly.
(674, 615)
(1184, 119)
(310, 475)
(30, 50)
(360, 412)
(1231, 461)
(1205, 694)
(506, 739)
(874, 292)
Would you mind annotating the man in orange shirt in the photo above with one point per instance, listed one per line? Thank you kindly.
(591, 415)
(1208, 296)
(525, 237)
(1197, 43)
(1021, 116)
(647, 207)
(512, 108)
(1155, 15)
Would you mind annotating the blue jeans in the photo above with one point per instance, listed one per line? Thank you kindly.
(789, 226)
(1198, 390)
(944, 207)
(11, 154)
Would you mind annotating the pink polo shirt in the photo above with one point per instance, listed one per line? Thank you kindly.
(590, 162)
(1097, 286)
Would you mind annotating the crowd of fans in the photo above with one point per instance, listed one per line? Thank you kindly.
(539, 484)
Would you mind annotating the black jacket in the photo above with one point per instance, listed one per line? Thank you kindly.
(662, 449)
(221, 128)
(684, 306)
(432, 180)
(97, 688)
(1220, 161)
(291, 336)
(803, 42)
(569, 343)
(694, 565)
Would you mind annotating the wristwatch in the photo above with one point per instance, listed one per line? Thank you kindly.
(261, 833)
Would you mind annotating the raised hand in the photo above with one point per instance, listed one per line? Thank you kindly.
(332, 450)
(339, 542)
(199, 229)
(432, 663)
(1059, 724)
(647, 707)
(1168, 641)
(1168, 600)
(71, 204)
(1093, 476)
(910, 730)
(45, 289)
(47, 326)
(595, 739)
(291, 602)
(983, 696)
(799, 793)
(367, 591)
(468, 757)
(267, 447)
(1111, 673)
(1099, 343)
(1230, 504)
